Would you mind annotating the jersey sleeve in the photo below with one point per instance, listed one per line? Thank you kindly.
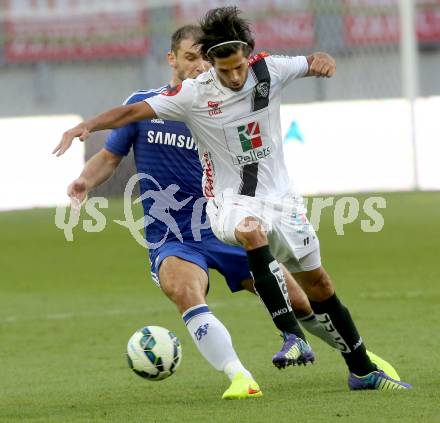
(120, 140)
(174, 103)
(289, 68)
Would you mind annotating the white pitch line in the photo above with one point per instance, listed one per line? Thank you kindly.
(98, 313)
(398, 295)
(70, 315)
(59, 316)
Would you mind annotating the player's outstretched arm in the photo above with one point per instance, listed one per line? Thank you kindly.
(321, 64)
(111, 119)
(97, 170)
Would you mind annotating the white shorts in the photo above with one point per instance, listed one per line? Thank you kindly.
(292, 239)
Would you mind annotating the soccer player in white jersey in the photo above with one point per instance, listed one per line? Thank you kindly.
(180, 266)
(233, 112)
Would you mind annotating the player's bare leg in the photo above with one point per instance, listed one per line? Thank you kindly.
(183, 282)
(186, 285)
(335, 316)
(270, 284)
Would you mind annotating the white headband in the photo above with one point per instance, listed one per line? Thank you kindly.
(226, 42)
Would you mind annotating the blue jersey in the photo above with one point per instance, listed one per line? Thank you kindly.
(167, 153)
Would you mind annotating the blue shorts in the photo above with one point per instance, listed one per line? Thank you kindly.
(228, 260)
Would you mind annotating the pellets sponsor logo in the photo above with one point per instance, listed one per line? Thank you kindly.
(251, 144)
(250, 137)
(252, 156)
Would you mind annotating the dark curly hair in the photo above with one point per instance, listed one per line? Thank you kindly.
(221, 25)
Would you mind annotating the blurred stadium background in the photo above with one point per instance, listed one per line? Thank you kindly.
(67, 309)
(64, 57)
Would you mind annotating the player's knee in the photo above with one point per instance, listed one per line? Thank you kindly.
(250, 233)
(183, 283)
(321, 287)
(185, 295)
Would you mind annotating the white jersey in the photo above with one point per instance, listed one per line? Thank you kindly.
(238, 133)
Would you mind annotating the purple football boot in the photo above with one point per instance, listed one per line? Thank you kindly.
(378, 380)
(294, 351)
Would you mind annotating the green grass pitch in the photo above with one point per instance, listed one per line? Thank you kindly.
(68, 309)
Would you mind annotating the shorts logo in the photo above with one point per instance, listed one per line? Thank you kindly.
(249, 140)
(263, 89)
(250, 136)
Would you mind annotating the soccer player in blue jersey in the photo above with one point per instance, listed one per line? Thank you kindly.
(167, 152)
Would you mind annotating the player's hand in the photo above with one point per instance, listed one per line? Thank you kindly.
(79, 131)
(321, 64)
(77, 191)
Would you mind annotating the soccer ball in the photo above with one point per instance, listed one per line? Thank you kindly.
(154, 352)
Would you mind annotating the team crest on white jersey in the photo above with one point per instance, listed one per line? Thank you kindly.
(263, 89)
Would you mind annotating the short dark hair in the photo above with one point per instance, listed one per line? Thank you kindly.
(221, 25)
(183, 33)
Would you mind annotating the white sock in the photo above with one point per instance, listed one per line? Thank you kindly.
(313, 325)
(213, 340)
